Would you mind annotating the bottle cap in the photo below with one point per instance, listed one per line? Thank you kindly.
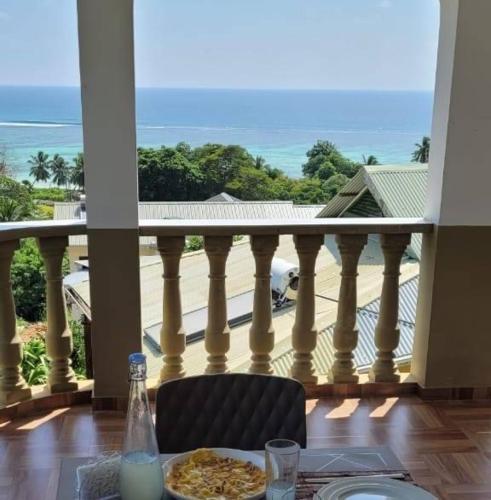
(137, 358)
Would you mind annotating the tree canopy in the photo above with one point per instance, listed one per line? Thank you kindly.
(15, 200)
(325, 160)
(183, 173)
(422, 152)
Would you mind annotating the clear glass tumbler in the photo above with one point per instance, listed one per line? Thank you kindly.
(282, 457)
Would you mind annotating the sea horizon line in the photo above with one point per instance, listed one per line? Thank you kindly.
(239, 89)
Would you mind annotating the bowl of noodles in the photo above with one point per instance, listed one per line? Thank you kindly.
(215, 474)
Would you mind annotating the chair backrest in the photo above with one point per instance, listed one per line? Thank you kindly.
(229, 410)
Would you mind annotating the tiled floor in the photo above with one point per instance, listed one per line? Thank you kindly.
(446, 445)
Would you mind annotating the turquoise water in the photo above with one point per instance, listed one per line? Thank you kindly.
(276, 124)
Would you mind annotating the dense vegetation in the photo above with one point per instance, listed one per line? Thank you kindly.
(183, 173)
(35, 362)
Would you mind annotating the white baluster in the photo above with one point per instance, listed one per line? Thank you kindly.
(345, 336)
(13, 387)
(304, 332)
(217, 332)
(172, 334)
(386, 331)
(261, 333)
(59, 343)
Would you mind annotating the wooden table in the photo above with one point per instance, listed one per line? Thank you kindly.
(376, 459)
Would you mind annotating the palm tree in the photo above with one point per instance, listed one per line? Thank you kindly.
(60, 171)
(78, 177)
(422, 151)
(370, 160)
(260, 163)
(39, 167)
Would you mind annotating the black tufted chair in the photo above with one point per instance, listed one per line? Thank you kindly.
(230, 411)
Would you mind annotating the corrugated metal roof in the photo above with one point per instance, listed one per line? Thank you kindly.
(345, 197)
(365, 352)
(200, 210)
(224, 197)
(399, 191)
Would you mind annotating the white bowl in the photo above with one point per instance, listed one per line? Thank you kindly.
(245, 456)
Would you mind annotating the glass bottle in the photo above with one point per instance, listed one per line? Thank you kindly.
(141, 476)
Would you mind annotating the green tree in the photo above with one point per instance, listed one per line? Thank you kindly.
(370, 160)
(4, 162)
(185, 149)
(251, 184)
(165, 174)
(308, 192)
(326, 170)
(15, 200)
(40, 167)
(334, 184)
(422, 152)
(325, 152)
(60, 171)
(28, 281)
(77, 176)
(220, 165)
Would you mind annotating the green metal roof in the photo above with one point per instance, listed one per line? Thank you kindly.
(366, 321)
(398, 190)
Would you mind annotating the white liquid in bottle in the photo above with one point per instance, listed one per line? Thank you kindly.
(141, 477)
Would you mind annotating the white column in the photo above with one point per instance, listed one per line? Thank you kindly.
(452, 341)
(105, 29)
(108, 108)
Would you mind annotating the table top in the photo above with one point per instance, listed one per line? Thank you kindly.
(327, 460)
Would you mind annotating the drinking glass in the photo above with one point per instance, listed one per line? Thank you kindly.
(282, 457)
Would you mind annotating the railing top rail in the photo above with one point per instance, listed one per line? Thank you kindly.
(184, 227)
(41, 228)
(181, 227)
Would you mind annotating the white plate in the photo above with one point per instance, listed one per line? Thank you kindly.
(372, 488)
(245, 456)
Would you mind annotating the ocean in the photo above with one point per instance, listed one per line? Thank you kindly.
(280, 125)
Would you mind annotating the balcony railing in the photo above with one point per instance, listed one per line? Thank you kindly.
(351, 237)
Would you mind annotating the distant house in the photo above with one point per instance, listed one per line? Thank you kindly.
(221, 206)
(383, 191)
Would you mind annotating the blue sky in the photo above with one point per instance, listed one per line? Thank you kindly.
(328, 44)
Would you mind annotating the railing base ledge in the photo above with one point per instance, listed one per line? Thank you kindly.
(43, 400)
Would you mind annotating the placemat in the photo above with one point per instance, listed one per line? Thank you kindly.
(315, 464)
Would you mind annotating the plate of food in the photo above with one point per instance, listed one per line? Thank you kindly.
(215, 474)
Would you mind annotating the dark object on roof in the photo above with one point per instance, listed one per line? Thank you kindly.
(230, 411)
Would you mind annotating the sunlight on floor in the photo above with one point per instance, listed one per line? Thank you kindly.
(345, 409)
(33, 424)
(384, 408)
